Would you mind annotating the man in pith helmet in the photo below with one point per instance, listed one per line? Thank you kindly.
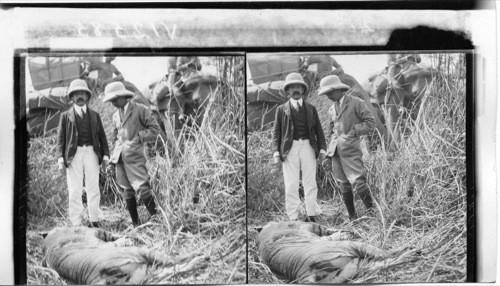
(298, 139)
(134, 126)
(82, 146)
(350, 118)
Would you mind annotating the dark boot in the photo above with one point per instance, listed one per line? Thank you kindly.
(349, 203)
(132, 209)
(366, 198)
(150, 205)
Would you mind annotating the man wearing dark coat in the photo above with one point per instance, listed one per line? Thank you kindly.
(298, 140)
(82, 146)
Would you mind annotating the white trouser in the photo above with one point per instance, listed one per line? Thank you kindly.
(301, 157)
(85, 162)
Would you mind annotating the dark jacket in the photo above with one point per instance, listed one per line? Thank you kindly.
(354, 120)
(68, 136)
(283, 130)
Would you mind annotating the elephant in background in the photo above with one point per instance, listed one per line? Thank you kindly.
(263, 99)
(398, 90)
(327, 65)
(319, 66)
(179, 99)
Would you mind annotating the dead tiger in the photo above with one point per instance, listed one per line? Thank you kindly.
(301, 252)
(83, 255)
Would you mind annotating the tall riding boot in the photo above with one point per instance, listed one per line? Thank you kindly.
(132, 209)
(366, 198)
(349, 203)
(150, 205)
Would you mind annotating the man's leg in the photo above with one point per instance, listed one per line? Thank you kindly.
(355, 173)
(291, 173)
(74, 176)
(149, 201)
(308, 167)
(345, 186)
(138, 176)
(91, 169)
(128, 192)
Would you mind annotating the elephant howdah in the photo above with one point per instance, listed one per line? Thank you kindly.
(83, 255)
(265, 96)
(44, 109)
(51, 76)
(301, 252)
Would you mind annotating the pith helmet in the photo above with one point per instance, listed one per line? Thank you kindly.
(294, 78)
(116, 89)
(331, 82)
(78, 85)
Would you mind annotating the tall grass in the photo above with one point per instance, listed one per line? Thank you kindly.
(420, 189)
(212, 168)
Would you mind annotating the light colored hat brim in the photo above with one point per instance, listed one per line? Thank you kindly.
(70, 91)
(112, 95)
(326, 89)
(295, 82)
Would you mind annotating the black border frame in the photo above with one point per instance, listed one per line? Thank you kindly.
(296, 5)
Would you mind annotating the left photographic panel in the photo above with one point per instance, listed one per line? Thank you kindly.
(135, 168)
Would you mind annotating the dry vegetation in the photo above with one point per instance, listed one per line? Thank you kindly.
(213, 167)
(429, 163)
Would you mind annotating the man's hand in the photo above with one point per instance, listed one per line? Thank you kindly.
(110, 170)
(105, 164)
(277, 161)
(62, 168)
(321, 157)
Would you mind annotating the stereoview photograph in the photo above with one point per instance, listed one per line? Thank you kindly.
(136, 169)
(356, 168)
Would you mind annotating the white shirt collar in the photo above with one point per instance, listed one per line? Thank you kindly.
(294, 102)
(79, 109)
(341, 100)
(125, 108)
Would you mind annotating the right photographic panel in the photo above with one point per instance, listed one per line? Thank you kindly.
(356, 167)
